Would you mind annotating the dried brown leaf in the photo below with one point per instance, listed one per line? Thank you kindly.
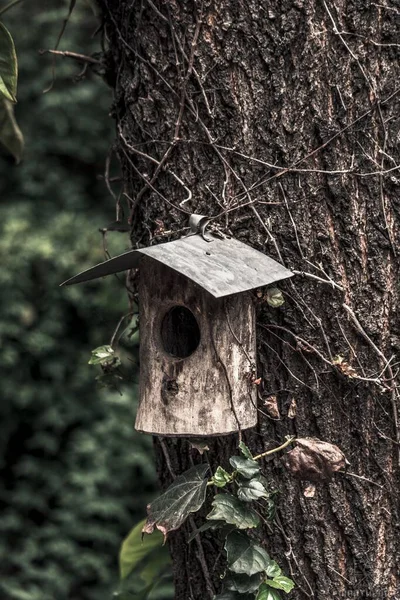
(292, 409)
(309, 491)
(271, 406)
(314, 460)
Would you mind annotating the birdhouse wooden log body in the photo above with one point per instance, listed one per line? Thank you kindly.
(196, 357)
(197, 332)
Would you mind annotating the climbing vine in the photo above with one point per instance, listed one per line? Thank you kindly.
(242, 500)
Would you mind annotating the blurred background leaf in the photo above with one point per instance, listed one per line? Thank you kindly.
(75, 476)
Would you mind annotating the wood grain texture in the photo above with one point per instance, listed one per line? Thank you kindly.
(209, 392)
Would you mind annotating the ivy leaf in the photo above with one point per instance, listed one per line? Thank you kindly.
(266, 593)
(184, 496)
(251, 489)
(221, 477)
(10, 134)
(275, 297)
(230, 509)
(244, 556)
(245, 466)
(8, 65)
(243, 583)
(104, 355)
(280, 582)
(245, 450)
(273, 570)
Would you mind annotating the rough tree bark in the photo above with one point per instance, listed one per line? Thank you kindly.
(279, 119)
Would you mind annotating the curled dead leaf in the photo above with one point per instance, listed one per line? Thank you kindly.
(292, 409)
(314, 460)
(271, 406)
(344, 367)
(309, 491)
(200, 444)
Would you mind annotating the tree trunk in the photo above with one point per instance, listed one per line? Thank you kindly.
(279, 120)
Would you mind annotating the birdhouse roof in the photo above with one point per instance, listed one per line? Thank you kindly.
(221, 266)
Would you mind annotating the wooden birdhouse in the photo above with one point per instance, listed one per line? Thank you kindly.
(197, 332)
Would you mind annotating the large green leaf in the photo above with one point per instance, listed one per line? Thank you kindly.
(245, 466)
(280, 582)
(8, 65)
(251, 489)
(242, 583)
(135, 548)
(184, 496)
(230, 509)
(10, 134)
(244, 556)
(266, 593)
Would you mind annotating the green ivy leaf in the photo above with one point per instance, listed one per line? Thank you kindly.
(8, 65)
(245, 466)
(230, 509)
(266, 593)
(244, 556)
(245, 450)
(104, 355)
(273, 570)
(251, 489)
(243, 583)
(275, 297)
(221, 477)
(10, 134)
(280, 582)
(184, 496)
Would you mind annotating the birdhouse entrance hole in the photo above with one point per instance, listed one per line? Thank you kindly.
(180, 333)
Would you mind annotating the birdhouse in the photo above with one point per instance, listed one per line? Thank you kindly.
(197, 332)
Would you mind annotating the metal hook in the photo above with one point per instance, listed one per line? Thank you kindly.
(198, 224)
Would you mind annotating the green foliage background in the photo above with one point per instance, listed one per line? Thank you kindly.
(75, 477)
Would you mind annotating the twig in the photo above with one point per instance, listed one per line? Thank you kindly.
(337, 32)
(9, 5)
(202, 560)
(290, 440)
(322, 146)
(311, 276)
(337, 573)
(122, 319)
(362, 478)
(394, 389)
(291, 219)
(74, 55)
